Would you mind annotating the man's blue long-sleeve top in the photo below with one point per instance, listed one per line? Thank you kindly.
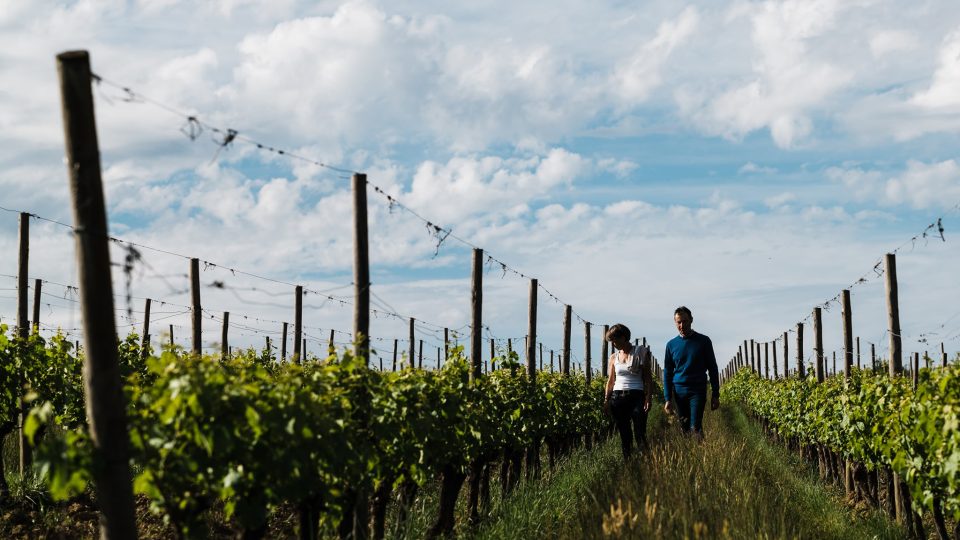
(687, 362)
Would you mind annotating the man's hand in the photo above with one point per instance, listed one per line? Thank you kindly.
(668, 407)
(714, 403)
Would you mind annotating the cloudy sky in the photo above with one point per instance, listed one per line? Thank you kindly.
(746, 159)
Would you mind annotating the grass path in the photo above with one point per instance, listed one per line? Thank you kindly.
(735, 484)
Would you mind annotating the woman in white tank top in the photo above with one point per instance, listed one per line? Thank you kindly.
(627, 395)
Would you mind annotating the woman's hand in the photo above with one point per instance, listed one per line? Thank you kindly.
(646, 403)
(606, 407)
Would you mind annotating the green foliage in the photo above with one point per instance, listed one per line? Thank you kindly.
(873, 419)
(249, 433)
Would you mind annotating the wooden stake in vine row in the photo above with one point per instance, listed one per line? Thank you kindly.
(23, 332)
(35, 322)
(893, 310)
(532, 331)
(800, 366)
(786, 351)
(395, 344)
(224, 346)
(145, 338)
(604, 351)
(586, 352)
(299, 344)
(476, 313)
(105, 405)
(567, 312)
(361, 269)
(411, 359)
(196, 311)
(818, 344)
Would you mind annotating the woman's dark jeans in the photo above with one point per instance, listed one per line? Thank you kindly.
(626, 406)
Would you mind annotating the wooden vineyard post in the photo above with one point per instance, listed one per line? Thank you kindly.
(847, 316)
(759, 365)
(35, 321)
(916, 369)
(541, 356)
(331, 345)
(361, 334)
(786, 362)
(817, 345)
(439, 362)
(23, 332)
(145, 338)
(476, 367)
(532, 332)
(893, 311)
(774, 347)
(224, 347)
(834, 363)
(298, 351)
(586, 353)
(304, 350)
(172, 342)
(493, 354)
(766, 360)
(604, 352)
(283, 343)
(895, 364)
(551, 360)
(476, 314)
(420, 356)
(361, 269)
(746, 354)
(800, 367)
(943, 355)
(859, 365)
(196, 311)
(565, 353)
(396, 342)
(106, 411)
(446, 344)
(873, 357)
(753, 357)
(413, 341)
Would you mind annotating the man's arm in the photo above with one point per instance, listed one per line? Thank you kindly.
(712, 372)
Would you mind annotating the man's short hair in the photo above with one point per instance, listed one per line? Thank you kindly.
(685, 310)
(618, 331)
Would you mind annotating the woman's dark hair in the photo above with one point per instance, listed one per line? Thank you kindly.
(683, 309)
(618, 331)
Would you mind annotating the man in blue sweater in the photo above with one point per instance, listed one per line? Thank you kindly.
(688, 361)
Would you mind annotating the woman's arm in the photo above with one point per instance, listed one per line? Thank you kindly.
(647, 383)
(608, 390)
